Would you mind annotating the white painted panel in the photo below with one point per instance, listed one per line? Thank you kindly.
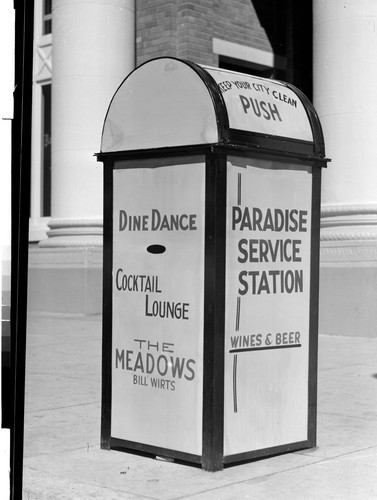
(259, 105)
(163, 103)
(267, 305)
(157, 379)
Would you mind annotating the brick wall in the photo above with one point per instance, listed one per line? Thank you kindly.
(185, 29)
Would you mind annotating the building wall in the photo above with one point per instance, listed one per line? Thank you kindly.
(273, 38)
(184, 29)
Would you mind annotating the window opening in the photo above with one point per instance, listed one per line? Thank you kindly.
(46, 151)
(246, 67)
(47, 17)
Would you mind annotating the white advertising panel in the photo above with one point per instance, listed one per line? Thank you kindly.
(158, 295)
(267, 304)
(166, 104)
(260, 105)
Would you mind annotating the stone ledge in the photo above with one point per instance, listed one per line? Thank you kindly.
(348, 251)
(65, 257)
(347, 300)
(65, 280)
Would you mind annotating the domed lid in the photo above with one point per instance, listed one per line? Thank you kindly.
(168, 102)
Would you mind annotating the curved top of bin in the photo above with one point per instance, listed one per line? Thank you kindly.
(168, 102)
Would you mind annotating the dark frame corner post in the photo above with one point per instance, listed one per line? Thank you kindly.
(107, 305)
(21, 159)
(213, 387)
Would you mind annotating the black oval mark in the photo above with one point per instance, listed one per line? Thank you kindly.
(156, 249)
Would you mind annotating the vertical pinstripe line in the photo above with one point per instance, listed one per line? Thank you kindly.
(235, 406)
(238, 310)
(239, 190)
(238, 313)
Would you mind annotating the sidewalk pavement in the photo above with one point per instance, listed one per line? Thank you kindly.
(63, 459)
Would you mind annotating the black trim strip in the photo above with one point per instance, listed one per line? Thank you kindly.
(107, 304)
(274, 142)
(252, 150)
(166, 152)
(214, 313)
(314, 307)
(319, 143)
(249, 349)
(265, 452)
(281, 156)
(217, 99)
(124, 445)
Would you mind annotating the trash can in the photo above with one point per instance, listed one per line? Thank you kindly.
(211, 265)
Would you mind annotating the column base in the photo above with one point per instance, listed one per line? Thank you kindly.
(348, 298)
(65, 270)
(65, 280)
(348, 272)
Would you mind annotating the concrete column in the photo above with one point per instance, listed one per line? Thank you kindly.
(345, 74)
(93, 50)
